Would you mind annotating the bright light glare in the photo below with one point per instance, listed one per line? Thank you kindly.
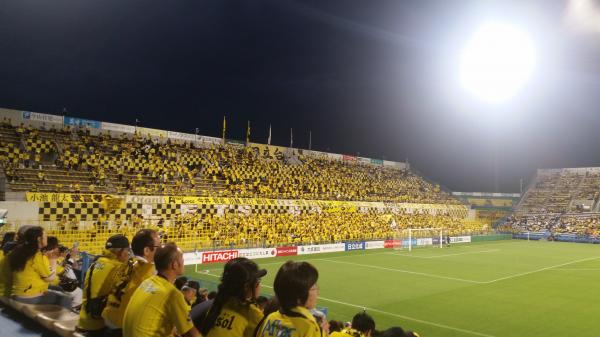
(497, 62)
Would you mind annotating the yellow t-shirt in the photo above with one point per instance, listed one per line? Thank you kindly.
(32, 280)
(106, 273)
(155, 308)
(236, 320)
(5, 277)
(115, 308)
(300, 324)
(346, 333)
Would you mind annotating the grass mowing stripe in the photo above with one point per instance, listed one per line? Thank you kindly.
(445, 255)
(404, 271)
(541, 269)
(443, 326)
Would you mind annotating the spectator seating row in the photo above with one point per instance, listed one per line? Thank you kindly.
(52, 317)
(75, 161)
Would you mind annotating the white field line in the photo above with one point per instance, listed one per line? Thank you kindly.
(446, 255)
(542, 269)
(404, 271)
(408, 318)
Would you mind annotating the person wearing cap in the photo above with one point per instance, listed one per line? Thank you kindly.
(100, 280)
(144, 245)
(297, 291)
(157, 308)
(234, 312)
(190, 292)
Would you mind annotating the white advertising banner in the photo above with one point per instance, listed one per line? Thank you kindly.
(316, 249)
(188, 137)
(374, 244)
(46, 118)
(460, 239)
(210, 140)
(425, 242)
(117, 127)
(257, 253)
(192, 258)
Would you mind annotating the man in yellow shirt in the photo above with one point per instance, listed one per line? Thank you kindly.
(144, 245)
(157, 307)
(100, 279)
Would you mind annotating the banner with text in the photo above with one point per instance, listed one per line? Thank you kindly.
(39, 117)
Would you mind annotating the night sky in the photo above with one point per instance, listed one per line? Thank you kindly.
(370, 77)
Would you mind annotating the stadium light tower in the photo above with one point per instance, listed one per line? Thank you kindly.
(497, 61)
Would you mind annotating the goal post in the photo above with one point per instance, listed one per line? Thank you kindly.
(410, 238)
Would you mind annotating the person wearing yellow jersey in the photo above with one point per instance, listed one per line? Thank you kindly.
(363, 325)
(99, 281)
(297, 291)
(234, 311)
(144, 245)
(32, 271)
(157, 308)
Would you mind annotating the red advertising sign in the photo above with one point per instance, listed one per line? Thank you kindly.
(348, 157)
(287, 251)
(391, 243)
(220, 256)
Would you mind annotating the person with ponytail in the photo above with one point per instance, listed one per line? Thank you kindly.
(297, 291)
(234, 312)
(33, 271)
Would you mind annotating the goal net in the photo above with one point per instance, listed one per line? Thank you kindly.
(412, 238)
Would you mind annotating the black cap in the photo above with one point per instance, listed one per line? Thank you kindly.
(239, 266)
(117, 241)
(191, 285)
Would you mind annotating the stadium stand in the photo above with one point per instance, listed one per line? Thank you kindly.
(560, 204)
(84, 185)
(75, 161)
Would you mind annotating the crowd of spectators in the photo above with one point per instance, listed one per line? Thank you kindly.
(229, 230)
(555, 224)
(74, 160)
(143, 294)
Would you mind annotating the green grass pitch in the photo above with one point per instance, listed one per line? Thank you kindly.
(501, 289)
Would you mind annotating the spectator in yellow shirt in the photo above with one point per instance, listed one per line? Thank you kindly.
(363, 325)
(144, 245)
(99, 282)
(32, 271)
(234, 311)
(297, 291)
(157, 308)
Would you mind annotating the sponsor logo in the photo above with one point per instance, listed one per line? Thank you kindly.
(287, 251)
(220, 256)
(26, 115)
(141, 199)
(391, 243)
(355, 246)
(460, 239)
(257, 253)
(374, 244)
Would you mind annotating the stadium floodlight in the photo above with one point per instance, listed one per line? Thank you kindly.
(497, 62)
